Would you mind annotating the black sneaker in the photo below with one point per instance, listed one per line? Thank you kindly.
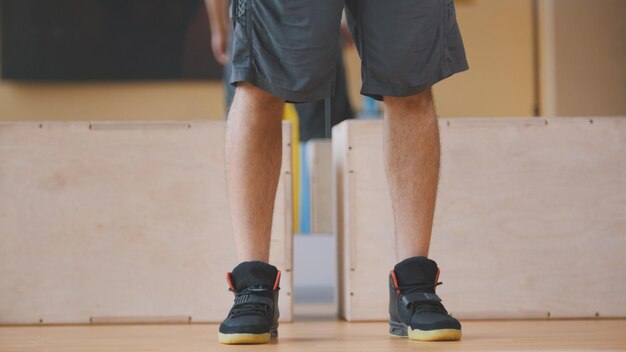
(254, 315)
(414, 308)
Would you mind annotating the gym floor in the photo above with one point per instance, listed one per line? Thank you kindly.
(315, 329)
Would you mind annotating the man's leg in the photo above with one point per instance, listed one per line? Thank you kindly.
(253, 158)
(426, 47)
(285, 60)
(411, 154)
(411, 151)
(274, 59)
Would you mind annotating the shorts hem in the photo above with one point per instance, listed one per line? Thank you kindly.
(291, 96)
(378, 90)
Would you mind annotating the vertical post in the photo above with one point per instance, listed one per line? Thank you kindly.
(536, 60)
(328, 123)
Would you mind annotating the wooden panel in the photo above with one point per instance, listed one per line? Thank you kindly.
(583, 71)
(319, 154)
(530, 219)
(341, 211)
(122, 221)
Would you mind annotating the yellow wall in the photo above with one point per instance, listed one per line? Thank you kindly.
(111, 101)
(498, 36)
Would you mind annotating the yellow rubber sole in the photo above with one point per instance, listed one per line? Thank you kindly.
(242, 339)
(435, 335)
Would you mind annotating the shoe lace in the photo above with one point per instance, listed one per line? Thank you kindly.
(251, 308)
(430, 306)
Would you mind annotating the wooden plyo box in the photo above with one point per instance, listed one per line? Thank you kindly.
(319, 159)
(114, 222)
(530, 219)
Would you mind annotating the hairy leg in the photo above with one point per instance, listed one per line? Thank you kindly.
(253, 160)
(411, 153)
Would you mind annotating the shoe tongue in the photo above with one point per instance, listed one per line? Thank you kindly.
(416, 271)
(257, 274)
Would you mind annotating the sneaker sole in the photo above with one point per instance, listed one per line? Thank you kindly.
(402, 330)
(246, 339)
(435, 335)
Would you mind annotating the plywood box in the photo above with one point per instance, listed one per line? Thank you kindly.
(123, 222)
(319, 159)
(530, 219)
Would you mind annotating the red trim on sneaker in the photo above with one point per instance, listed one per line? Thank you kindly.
(277, 281)
(395, 281)
(230, 282)
(436, 278)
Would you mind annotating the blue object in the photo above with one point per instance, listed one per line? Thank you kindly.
(371, 108)
(305, 191)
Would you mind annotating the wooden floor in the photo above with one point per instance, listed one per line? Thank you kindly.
(322, 335)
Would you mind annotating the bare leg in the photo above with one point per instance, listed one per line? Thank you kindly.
(253, 158)
(411, 153)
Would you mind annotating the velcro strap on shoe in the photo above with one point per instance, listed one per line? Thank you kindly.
(420, 297)
(253, 299)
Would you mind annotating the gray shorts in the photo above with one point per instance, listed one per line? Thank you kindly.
(289, 47)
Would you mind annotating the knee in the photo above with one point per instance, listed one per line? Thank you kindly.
(422, 102)
(257, 95)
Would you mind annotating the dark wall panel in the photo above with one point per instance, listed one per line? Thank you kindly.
(77, 40)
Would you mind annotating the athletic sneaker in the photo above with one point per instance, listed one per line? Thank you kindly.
(254, 315)
(415, 310)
